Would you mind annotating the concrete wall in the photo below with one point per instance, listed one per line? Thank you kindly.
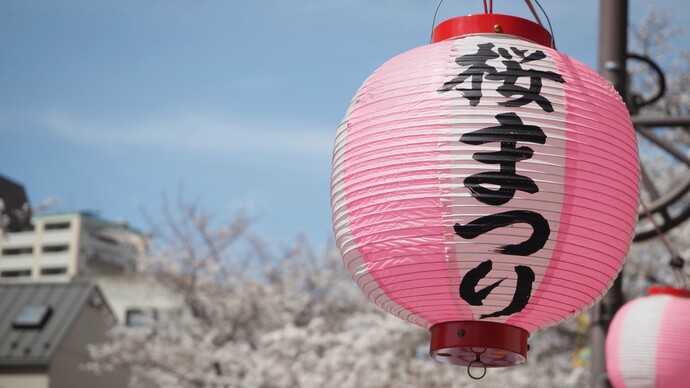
(38, 239)
(135, 291)
(90, 327)
(24, 380)
(94, 247)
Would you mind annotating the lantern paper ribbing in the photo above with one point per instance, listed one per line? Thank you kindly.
(485, 178)
(647, 344)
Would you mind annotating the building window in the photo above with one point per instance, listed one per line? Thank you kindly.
(137, 317)
(57, 226)
(16, 273)
(55, 248)
(32, 317)
(134, 318)
(106, 239)
(53, 271)
(17, 251)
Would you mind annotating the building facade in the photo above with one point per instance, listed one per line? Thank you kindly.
(45, 329)
(65, 246)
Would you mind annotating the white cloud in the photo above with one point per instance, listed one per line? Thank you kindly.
(185, 132)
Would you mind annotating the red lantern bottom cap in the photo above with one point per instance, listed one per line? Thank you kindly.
(667, 290)
(472, 343)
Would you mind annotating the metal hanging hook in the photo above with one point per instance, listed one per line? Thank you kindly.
(476, 364)
(489, 9)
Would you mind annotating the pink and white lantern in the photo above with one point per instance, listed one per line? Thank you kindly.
(647, 343)
(484, 186)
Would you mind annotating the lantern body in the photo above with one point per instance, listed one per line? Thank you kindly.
(647, 343)
(484, 178)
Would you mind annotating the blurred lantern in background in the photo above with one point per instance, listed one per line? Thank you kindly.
(485, 186)
(647, 344)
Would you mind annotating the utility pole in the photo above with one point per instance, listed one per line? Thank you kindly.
(613, 47)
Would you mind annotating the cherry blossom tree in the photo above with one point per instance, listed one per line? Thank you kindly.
(250, 317)
(648, 261)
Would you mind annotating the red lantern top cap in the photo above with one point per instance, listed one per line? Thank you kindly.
(492, 23)
(666, 290)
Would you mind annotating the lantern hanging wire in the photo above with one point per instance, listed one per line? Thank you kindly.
(553, 37)
(433, 21)
(677, 261)
(534, 12)
(489, 8)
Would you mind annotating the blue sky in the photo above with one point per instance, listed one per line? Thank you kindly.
(109, 104)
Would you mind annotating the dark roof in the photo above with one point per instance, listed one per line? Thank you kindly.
(23, 346)
(14, 197)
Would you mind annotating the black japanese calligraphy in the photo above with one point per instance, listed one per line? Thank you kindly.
(514, 71)
(477, 67)
(508, 134)
(468, 286)
(523, 288)
(537, 240)
(498, 187)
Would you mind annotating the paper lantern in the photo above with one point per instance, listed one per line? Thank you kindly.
(647, 343)
(484, 186)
